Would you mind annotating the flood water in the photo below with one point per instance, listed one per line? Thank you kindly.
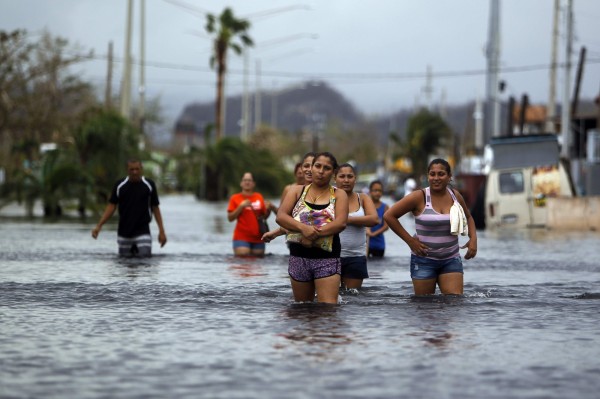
(76, 321)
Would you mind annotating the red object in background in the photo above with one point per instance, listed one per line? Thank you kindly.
(469, 185)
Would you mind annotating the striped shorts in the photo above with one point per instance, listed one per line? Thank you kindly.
(135, 246)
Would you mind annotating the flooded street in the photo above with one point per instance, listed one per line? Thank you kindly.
(193, 321)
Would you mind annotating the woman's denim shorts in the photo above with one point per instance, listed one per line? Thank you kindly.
(426, 268)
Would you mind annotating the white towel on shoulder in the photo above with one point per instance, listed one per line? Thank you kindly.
(458, 220)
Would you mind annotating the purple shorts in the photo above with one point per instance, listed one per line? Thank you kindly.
(307, 269)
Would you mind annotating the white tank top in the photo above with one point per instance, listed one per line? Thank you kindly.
(354, 238)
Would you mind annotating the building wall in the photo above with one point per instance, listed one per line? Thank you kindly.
(577, 213)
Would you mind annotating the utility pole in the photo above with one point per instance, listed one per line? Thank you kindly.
(478, 116)
(523, 113)
(417, 103)
(566, 104)
(245, 100)
(257, 99)
(443, 110)
(274, 95)
(108, 90)
(511, 120)
(142, 69)
(578, 76)
(550, 126)
(428, 88)
(126, 84)
(492, 114)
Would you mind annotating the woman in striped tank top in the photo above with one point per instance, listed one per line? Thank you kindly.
(435, 257)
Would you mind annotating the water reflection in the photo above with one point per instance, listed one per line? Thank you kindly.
(219, 224)
(317, 331)
(134, 267)
(435, 320)
(441, 299)
(247, 269)
(437, 339)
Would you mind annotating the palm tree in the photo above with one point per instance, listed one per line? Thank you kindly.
(226, 29)
(426, 132)
(103, 140)
(222, 165)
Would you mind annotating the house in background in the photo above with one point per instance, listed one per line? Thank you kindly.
(188, 134)
(534, 121)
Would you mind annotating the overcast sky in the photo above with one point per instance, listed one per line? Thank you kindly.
(365, 49)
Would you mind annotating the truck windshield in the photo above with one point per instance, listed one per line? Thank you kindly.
(511, 182)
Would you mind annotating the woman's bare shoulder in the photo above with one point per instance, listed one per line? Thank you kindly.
(294, 189)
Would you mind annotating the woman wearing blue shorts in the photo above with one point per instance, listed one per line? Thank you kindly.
(435, 257)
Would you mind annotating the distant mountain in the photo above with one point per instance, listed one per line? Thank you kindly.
(291, 109)
(305, 106)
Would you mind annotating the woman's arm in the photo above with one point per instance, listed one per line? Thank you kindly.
(269, 207)
(341, 215)
(410, 203)
(471, 245)
(273, 234)
(279, 231)
(285, 219)
(233, 215)
(382, 229)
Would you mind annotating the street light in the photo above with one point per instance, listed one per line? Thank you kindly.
(275, 11)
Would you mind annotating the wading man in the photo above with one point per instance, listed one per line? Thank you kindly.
(137, 199)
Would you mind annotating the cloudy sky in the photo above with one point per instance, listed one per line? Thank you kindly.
(375, 52)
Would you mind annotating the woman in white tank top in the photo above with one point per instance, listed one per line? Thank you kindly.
(361, 214)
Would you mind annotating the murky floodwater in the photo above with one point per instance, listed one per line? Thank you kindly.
(193, 321)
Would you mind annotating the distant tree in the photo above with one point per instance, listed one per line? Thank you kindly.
(103, 141)
(40, 101)
(225, 28)
(61, 179)
(189, 172)
(214, 172)
(358, 144)
(426, 132)
(273, 140)
(39, 96)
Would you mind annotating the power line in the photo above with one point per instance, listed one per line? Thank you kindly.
(368, 76)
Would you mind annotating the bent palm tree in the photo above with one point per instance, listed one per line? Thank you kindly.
(226, 28)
